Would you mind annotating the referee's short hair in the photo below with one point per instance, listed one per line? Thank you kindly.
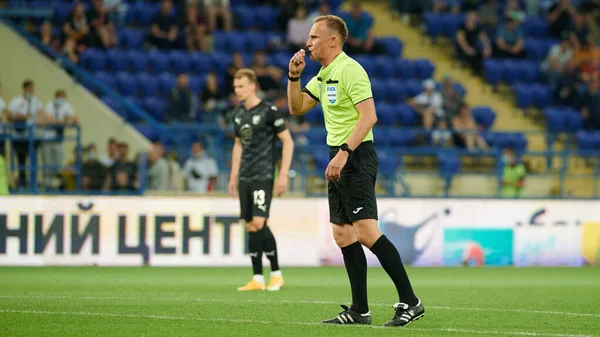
(247, 73)
(336, 24)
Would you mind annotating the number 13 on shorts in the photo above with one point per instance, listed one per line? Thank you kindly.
(260, 200)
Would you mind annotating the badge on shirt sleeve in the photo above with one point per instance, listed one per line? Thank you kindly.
(331, 93)
(256, 119)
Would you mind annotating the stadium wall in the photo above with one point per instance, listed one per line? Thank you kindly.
(20, 61)
(198, 231)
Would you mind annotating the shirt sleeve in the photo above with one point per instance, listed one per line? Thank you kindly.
(312, 88)
(356, 83)
(276, 120)
(14, 106)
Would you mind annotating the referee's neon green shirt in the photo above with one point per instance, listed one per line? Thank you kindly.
(339, 87)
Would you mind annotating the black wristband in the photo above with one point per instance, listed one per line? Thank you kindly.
(293, 79)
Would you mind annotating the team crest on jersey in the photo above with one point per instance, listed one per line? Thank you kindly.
(331, 93)
(256, 119)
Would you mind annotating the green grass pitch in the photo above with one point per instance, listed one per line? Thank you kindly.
(88, 301)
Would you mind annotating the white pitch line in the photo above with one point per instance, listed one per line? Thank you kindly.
(218, 300)
(227, 320)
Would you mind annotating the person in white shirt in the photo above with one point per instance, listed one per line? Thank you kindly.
(428, 104)
(200, 170)
(58, 113)
(24, 110)
(298, 29)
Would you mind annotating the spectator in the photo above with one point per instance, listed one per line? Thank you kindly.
(175, 176)
(533, 7)
(589, 104)
(182, 103)
(466, 38)
(164, 30)
(360, 37)
(467, 130)
(158, 170)
(70, 50)
(237, 63)
(123, 173)
(200, 170)
(213, 100)
(509, 39)
(451, 98)
(592, 7)
(77, 26)
(428, 104)
(513, 10)
(269, 77)
(287, 10)
(580, 30)
(513, 175)
(113, 153)
(218, 10)
(101, 25)
(554, 65)
(47, 37)
(92, 171)
(24, 110)
(298, 29)
(586, 60)
(322, 9)
(488, 14)
(59, 112)
(560, 17)
(566, 94)
(441, 136)
(195, 29)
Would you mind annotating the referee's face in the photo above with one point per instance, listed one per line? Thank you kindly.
(318, 40)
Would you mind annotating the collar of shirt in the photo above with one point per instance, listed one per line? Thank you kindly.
(325, 71)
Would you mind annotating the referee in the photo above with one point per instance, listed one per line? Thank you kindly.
(344, 90)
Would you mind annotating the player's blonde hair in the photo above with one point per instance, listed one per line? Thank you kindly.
(247, 73)
(336, 24)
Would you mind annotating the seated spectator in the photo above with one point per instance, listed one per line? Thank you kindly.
(195, 28)
(163, 27)
(428, 104)
(112, 153)
(158, 170)
(287, 10)
(513, 175)
(237, 63)
(441, 136)
(218, 12)
(589, 105)
(560, 17)
(451, 98)
(92, 171)
(467, 36)
(182, 103)
(554, 64)
(580, 30)
(269, 77)
(298, 29)
(200, 171)
(47, 36)
(123, 174)
(213, 100)
(488, 17)
(101, 25)
(509, 40)
(70, 50)
(587, 59)
(468, 131)
(77, 26)
(176, 182)
(322, 9)
(360, 36)
(566, 93)
(513, 10)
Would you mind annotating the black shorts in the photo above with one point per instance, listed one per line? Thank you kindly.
(255, 198)
(352, 198)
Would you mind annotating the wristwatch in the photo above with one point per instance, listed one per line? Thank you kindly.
(345, 147)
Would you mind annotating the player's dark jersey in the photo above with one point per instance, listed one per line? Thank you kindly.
(257, 129)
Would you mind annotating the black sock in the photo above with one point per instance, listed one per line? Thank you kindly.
(392, 263)
(255, 247)
(269, 246)
(356, 266)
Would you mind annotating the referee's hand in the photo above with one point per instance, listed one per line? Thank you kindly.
(334, 169)
(297, 63)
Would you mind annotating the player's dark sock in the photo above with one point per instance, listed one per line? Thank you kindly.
(269, 246)
(356, 266)
(391, 262)
(255, 247)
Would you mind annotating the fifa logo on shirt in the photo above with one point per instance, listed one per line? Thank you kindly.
(331, 93)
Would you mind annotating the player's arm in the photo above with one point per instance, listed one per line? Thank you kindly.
(287, 152)
(236, 158)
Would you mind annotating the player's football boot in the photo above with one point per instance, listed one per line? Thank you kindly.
(405, 314)
(275, 283)
(252, 285)
(348, 316)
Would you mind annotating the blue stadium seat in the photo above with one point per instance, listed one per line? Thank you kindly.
(315, 115)
(413, 88)
(386, 114)
(266, 17)
(380, 90)
(403, 69)
(484, 116)
(131, 38)
(147, 84)
(200, 63)
(94, 60)
(245, 17)
(106, 78)
(321, 160)
(126, 84)
(588, 140)
(257, 41)
(396, 91)
(196, 84)
(112, 103)
(157, 107)
(220, 62)
(493, 71)
(166, 83)
(388, 163)
(450, 24)
(574, 120)
(524, 95)
(407, 116)
(535, 27)
(542, 95)
(159, 61)
(367, 63)
(433, 22)
(146, 12)
(132, 117)
(449, 164)
(382, 67)
(137, 61)
(555, 120)
(236, 41)
(392, 45)
(315, 136)
(61, 10)
(529, 71)
(424, 69)
(511, 72)
(147, 131)
(179, 61)
(116, 60)
(402, 138)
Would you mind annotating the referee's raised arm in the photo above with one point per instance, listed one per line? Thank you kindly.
(299, 103)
